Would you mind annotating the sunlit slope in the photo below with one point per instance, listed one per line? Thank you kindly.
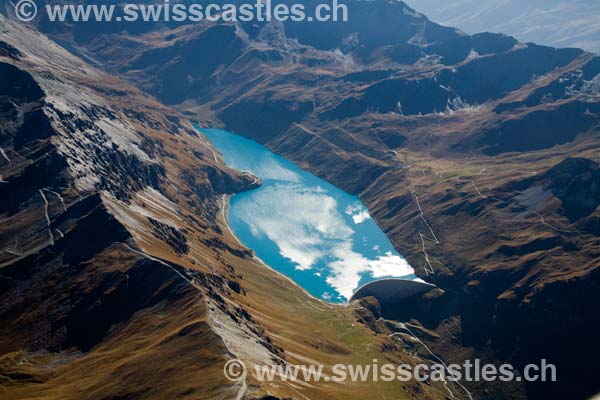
(119, 277)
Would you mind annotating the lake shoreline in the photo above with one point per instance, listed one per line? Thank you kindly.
(317, 235)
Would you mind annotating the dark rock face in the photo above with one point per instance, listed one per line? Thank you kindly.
(493, 77)
(6, 50)
(189, 63)
(525, 335)
(592, 225)
(455, 50)
(407, 24)
(403, 53)
(538, 130)
(97, 231)
(172, 236)
(36, 126)
(128, 167)
(50, 171)
(209, 181)
(404, 96)
(90, 230)
(576, 182)
(18, 85)
(116, 299)
(21, 101)
(268, 118)
(216, 243)
(393, 140)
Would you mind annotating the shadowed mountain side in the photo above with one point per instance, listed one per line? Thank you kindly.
(436, 131)
(119, 278)
(574, 181)
(129, 310)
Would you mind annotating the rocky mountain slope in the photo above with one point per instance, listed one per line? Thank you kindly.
(119, 278)
(555, 23)
(477, 154)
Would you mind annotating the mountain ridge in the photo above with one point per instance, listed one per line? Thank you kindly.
(455, 138)
(119, 277)
(554, 23)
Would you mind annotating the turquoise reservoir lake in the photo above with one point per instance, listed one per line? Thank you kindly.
(302, 226)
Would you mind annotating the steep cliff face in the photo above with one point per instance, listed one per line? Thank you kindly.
(119, 277)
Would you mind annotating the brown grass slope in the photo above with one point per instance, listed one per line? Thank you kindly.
(119, 278)
(475, 153)
(478, 158)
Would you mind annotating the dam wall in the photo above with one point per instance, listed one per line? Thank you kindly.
(391, 290)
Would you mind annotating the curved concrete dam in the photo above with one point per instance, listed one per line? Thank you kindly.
(391, 290)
